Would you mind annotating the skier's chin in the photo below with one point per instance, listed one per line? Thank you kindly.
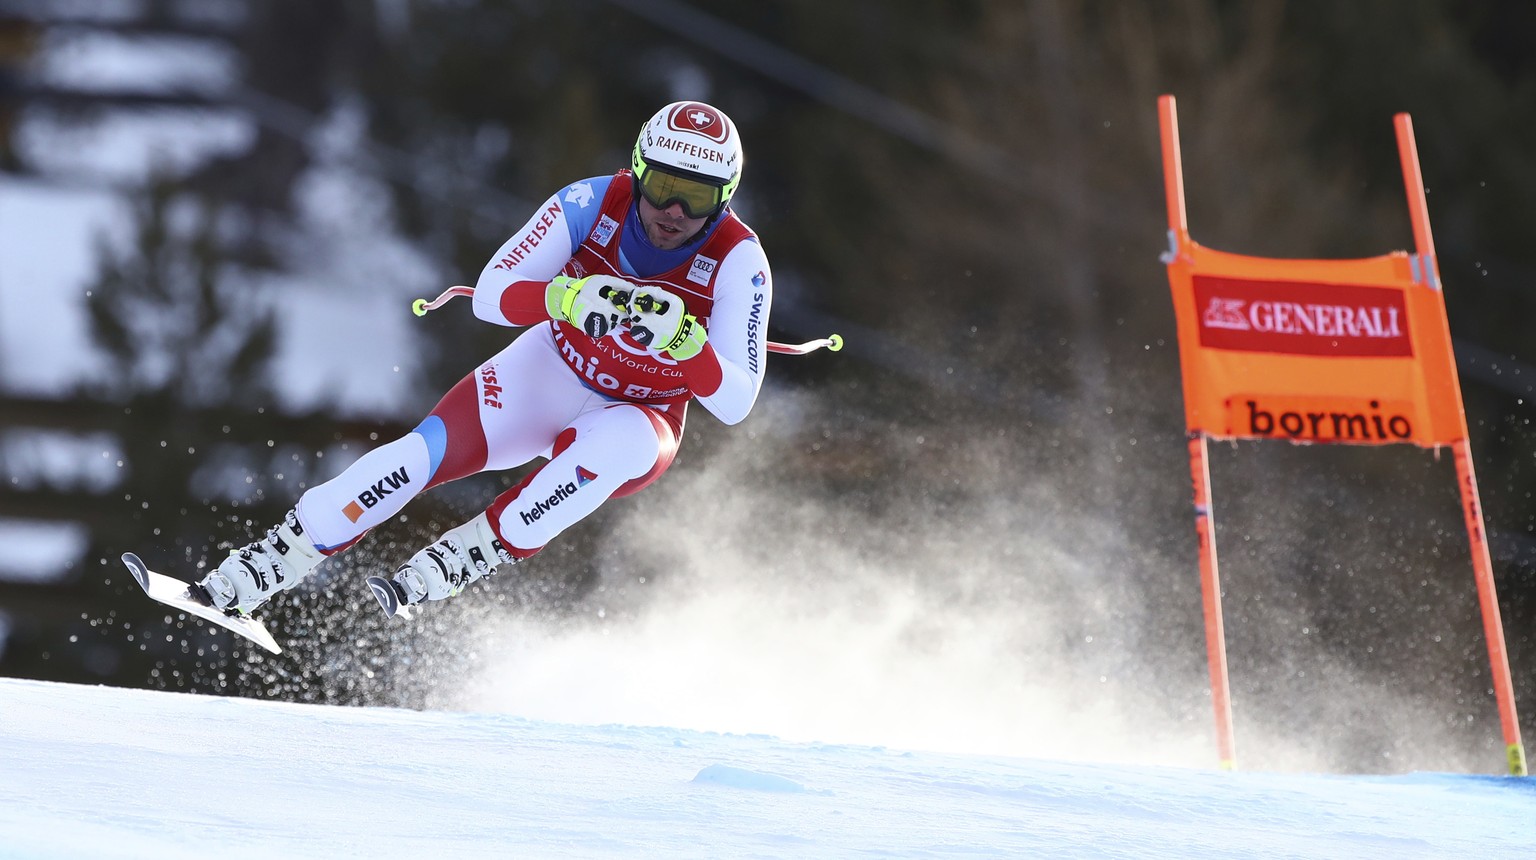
(666, 238)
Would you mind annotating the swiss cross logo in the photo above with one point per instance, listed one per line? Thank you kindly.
(699, 118)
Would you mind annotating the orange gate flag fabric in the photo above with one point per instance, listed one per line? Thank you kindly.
(1348, 351)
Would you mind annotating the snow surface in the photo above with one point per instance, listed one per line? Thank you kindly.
(95, 772)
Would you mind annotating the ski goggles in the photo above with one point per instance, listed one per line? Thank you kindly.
(699, 199)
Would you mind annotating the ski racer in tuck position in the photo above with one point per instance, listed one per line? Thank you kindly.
(639, 292)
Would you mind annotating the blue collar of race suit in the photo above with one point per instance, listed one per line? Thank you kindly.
(646, 260)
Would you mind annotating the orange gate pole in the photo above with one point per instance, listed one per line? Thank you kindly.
(1199, 468)
(1466, 478)
(1210, 593)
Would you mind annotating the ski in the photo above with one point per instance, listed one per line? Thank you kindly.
(389, 598)
(173, 592)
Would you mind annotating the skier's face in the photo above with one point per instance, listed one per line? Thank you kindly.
(670, 227)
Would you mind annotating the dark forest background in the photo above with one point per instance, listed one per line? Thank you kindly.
(970, 192)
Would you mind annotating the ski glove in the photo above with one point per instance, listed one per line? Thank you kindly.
(595, 304)
(661, 321)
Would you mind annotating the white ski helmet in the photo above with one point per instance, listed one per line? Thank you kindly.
(688, 153)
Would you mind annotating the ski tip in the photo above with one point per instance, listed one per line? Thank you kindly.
(388, 601)
(137, 568)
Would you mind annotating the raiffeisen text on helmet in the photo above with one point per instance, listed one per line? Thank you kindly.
(685, 148)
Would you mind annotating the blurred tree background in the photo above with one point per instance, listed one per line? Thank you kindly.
(969, 191)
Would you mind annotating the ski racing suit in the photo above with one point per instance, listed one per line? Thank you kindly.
(607, 412)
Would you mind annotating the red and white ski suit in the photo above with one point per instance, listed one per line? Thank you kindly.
(607, 412)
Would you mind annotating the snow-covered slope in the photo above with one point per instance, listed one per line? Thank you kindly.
(96, 772)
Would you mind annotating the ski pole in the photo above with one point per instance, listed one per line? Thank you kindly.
(832, 342)
(421, 306)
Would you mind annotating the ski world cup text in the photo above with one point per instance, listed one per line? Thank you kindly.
(630, 373)
(1302, 319)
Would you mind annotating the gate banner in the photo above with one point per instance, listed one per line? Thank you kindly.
(1349, 351)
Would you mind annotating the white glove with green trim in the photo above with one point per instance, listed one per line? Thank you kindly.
(595, 304)
(661, 321)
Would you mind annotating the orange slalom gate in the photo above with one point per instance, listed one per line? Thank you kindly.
(1355, 352)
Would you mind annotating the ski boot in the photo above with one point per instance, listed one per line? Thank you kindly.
(462, 555)
(259, 570)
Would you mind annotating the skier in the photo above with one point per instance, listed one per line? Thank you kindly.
(639, 292)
